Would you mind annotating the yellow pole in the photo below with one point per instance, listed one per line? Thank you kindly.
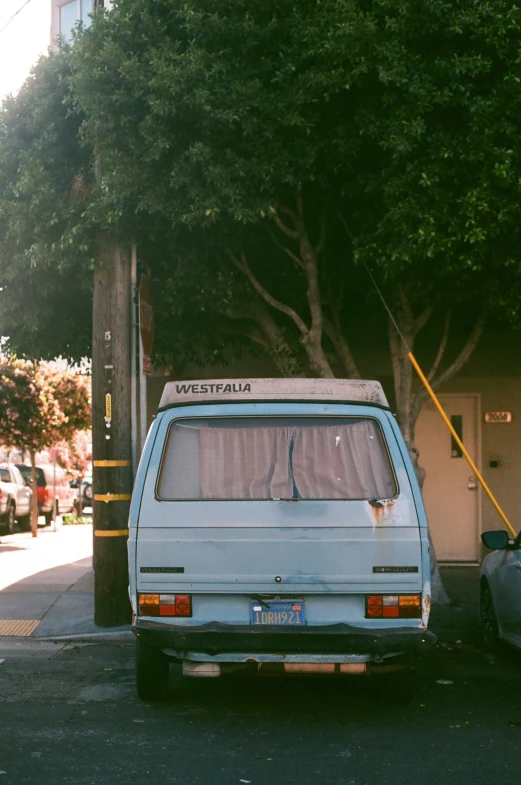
(461, 445)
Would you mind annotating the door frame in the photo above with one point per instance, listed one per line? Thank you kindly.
(477, 461)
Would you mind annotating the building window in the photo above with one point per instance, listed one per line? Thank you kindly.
(71, 13)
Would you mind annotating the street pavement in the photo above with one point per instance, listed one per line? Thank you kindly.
(47, 585)
(69, 711)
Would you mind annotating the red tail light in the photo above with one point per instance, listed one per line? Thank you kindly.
(393, 606)
(45, 495)
(165, 604)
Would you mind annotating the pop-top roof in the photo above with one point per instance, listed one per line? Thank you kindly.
(229, 390)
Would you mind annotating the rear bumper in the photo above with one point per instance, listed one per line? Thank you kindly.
(217, 638)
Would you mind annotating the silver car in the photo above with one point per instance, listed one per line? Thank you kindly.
(500, 589)
(15, 499)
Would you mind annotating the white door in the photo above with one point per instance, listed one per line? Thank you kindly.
(450, 490)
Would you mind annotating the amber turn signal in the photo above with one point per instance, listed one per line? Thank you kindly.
(165, 604)
(389, 606)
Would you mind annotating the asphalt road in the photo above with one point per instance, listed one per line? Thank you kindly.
(69, 714)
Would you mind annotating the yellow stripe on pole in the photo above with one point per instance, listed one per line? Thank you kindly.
(104, 464)
(112, 497)
(462, 446)
(111, 532)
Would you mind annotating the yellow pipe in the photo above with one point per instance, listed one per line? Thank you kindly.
(461, 446)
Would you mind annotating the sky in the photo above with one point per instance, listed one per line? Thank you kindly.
(22, 41)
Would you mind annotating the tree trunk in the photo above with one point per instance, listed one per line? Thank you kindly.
(34, 497)
(111, 432)
(403, 385)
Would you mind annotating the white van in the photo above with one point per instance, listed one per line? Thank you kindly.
(277, 524)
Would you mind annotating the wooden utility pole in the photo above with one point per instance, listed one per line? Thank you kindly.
(111, 431)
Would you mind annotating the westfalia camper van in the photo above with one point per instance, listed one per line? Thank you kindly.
(278, 525)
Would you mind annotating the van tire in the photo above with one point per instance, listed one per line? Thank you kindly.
(151, 672)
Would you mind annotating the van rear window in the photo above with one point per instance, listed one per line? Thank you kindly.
(275, 458)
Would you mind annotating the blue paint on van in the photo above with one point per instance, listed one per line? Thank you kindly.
(188, 539)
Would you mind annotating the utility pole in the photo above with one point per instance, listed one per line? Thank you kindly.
(111, 431)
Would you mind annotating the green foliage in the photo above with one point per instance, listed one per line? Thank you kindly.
(46, 236)
(75, 520)
(400, 116)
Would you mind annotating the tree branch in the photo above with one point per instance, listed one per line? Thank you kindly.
(422, 319)
(243, 266)
(441, 348)
(319, 247)
(294, 233)
(286, 250)
(236, 325)
(394, 345)
(422, 395)
(464, 355)
(342, 348)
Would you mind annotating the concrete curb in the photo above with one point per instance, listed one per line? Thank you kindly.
(116, 636)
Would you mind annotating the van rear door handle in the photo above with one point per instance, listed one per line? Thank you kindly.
(472, 484)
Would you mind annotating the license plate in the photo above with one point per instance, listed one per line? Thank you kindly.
(286, 613)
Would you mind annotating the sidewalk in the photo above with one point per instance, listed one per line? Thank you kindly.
(47, 586)
(47, 591)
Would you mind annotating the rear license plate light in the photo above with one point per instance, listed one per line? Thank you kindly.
(165, 604)
(393, 606)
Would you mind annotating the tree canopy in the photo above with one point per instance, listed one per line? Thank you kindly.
(261, 155)
(46, 234)
(277, 147)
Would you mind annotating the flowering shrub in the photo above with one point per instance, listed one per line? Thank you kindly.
(41, 404)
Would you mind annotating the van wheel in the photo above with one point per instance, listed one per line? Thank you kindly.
(151, 672)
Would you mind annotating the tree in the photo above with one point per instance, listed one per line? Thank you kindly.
(40, 404)
(46, 232)
(285, 146)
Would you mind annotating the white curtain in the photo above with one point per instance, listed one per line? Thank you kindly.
(245, 463)
(341, 462)
(276, 461)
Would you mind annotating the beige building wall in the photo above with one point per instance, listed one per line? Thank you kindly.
(500, 442)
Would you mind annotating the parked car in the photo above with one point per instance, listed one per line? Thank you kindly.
(500, 590)
(48, 478)
(86, 494)
(15, 499)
